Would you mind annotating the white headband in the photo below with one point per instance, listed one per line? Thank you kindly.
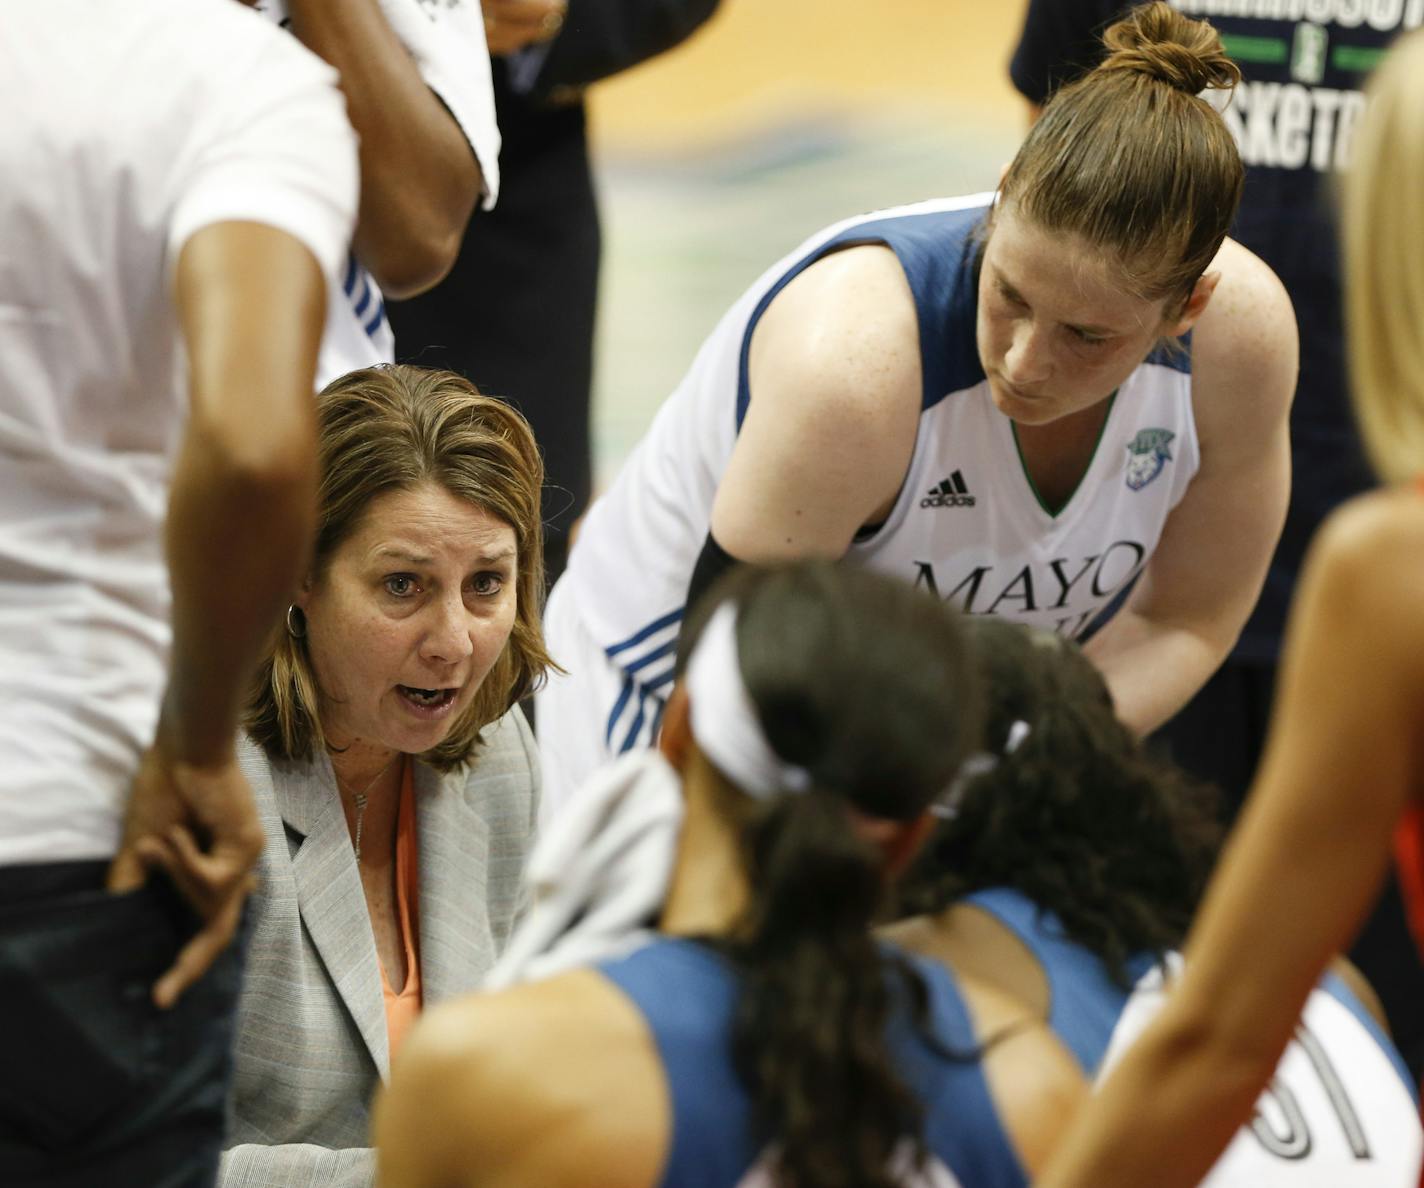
(724, 720)
(978, 764)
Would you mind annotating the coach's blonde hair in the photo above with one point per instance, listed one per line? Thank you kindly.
(1129, 158)
(390, 429)
(1384, 264)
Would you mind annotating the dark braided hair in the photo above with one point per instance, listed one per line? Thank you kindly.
(866, 684)
(1078, 818)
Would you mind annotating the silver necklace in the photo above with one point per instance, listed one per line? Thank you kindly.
(360, 800)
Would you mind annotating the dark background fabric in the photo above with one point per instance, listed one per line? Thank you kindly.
(516, 313)
(99, 1086)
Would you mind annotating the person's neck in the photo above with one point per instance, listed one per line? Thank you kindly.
(708, 893)
(369, 773)
(359, 764)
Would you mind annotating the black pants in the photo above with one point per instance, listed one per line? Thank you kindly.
(1219, 736)
(516, 314)
(98, 1087)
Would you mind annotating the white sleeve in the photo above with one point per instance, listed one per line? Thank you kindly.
(447, 41)
(276, 148)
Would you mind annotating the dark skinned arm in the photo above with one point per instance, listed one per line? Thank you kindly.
(419, 179)
(241, 515)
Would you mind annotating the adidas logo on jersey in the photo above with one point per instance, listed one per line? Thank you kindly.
(951, 492)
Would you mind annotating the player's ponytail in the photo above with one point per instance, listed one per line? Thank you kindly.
(863, 693)
(1130, 159)
(816, 996)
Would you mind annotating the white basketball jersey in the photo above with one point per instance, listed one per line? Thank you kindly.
(1339, 1113)
(967, 525)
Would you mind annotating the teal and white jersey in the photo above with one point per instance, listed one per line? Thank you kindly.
(967, 524)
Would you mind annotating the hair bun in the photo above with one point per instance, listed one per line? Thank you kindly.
(1160, 42)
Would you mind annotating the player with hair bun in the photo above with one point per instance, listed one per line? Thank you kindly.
(1340, 781)
(1024, 402)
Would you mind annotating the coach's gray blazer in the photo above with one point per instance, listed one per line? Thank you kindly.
(311, 1041)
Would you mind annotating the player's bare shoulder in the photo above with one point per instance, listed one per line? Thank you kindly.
(487, 1078)
(1372, 549)
(1245, 346)
(844, 329)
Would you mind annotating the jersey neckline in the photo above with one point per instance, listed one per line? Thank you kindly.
(1054, 512)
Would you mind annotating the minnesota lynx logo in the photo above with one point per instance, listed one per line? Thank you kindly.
(1147, 453)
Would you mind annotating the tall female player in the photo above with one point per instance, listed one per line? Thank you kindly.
(995, 400)
(1343, 768)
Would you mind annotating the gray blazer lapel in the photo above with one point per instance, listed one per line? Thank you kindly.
(456, 945)
(331, 899)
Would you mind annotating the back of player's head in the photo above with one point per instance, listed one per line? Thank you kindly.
(826, 703)
(1384, 263)
(833, 660)
(1072, 811)
(1130, 159)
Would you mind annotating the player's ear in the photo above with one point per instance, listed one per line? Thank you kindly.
(675, 737)
(1195, 304)
(897, 841)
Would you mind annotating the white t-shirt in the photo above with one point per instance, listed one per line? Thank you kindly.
(129, 127)
(447, 40)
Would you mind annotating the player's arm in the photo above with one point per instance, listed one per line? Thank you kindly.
(555, 1082)
(1187, 610)
(834, 374)
(251, 302)
(1301, 868)
(419, 177)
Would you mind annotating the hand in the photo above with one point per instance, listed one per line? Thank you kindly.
(198, 825)
(511, 25)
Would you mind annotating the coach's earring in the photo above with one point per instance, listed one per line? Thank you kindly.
(293, 622)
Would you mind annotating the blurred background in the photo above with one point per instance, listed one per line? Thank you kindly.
(777, 118)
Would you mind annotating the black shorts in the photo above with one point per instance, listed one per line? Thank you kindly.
(97, 1085)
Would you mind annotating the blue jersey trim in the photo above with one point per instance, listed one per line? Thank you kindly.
(644, 673)
(1085, 1002)
(657, 653)
(354, 273)
(663, 678)
(366, 293)
(1176, 356)
(642, 633)
(938, 251)
(1335, 986)
(618, 705)
(377, 318)
(631, 738)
